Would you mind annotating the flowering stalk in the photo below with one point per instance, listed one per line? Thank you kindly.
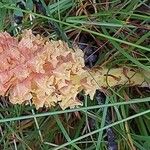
(50, 73)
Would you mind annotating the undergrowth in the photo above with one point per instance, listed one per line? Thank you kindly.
(114, 33)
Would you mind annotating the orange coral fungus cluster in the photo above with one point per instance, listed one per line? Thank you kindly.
(50, 73)
(35, 68)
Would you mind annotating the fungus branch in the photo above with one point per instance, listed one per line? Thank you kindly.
(49, 72)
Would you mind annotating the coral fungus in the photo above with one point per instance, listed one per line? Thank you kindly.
(49, 72)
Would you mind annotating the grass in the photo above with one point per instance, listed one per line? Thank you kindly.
(120, 33)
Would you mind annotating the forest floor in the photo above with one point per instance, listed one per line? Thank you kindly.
(112, 33)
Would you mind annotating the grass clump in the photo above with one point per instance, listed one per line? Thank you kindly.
(111, 33)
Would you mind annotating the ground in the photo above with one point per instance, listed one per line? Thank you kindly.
(112, 33)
